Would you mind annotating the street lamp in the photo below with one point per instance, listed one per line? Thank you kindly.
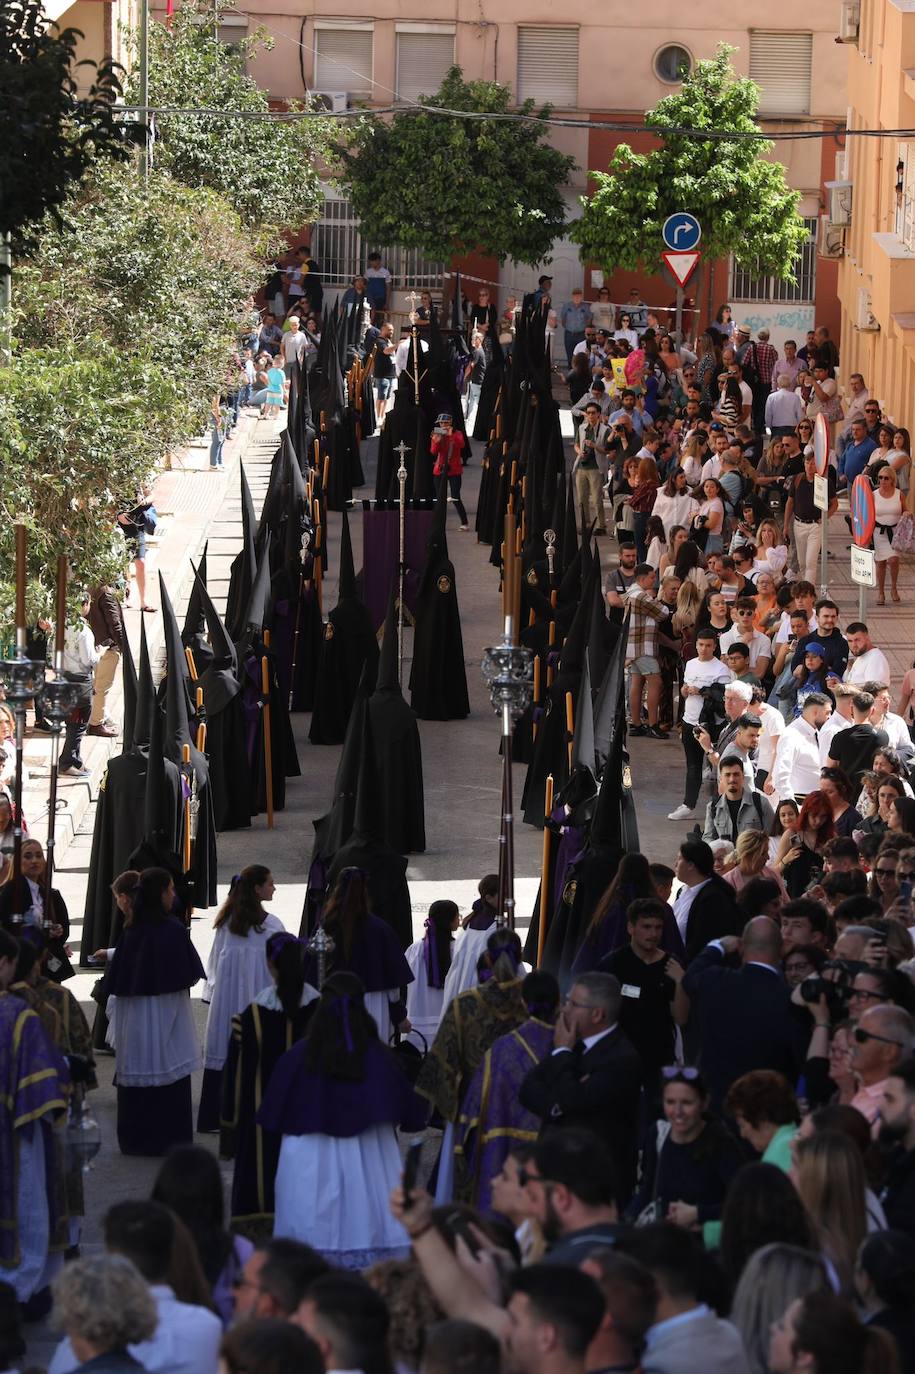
(508, 672)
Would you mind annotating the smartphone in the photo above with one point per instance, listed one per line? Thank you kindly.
(697, 730)
(411, 1168)
(460, 1226)
(796, 841)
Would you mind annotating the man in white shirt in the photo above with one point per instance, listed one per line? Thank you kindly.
(187, 1338)
(700, 674)
(885, 719)
(403, 354)
(759, 645)
(841, 719)
(720, 443)
(294, 344)
(773, 726)
(784, 410)
(866, 662)
(797, 767)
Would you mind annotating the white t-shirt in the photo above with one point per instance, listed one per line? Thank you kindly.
(871, 666)
(711, 468)
(697, 674)
(773, 724)
(759, 645)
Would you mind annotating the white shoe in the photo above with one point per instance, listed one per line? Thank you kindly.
(682, 813)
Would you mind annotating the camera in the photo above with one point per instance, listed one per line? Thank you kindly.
(837, 991)
(439, 430)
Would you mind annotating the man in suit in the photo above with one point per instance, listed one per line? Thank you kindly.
(743, 1017)
(686, 1336)
(705, 906)
(592, 1077)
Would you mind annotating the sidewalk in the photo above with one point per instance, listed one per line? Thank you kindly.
(187, 497)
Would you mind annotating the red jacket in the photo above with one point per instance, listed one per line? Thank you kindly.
(451, 445)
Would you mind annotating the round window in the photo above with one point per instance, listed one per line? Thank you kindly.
(673, 63)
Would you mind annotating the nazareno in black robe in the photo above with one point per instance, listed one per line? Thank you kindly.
(348, 648)
(398, 754)
(438, 679)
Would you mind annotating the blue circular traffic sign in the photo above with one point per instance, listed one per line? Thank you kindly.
(862, 510)
(681, 232)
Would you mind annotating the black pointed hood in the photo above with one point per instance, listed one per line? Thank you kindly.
(244, 565)
(387, 662)
(576, 641)
(368, 788)
(131, 693)
(155, 823)
(437, 543)
(146, 694)
(177, 722)
(193, 616)
(569, 532)
(257, 611)
(221, 644)
(583, 745)
(347, 584)
(456, 321)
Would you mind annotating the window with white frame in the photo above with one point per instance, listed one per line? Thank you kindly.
(338, 246)
(905, 194)
(780, 64)
(548, 65)
(424, 54)
(343, 58)
(748, 285)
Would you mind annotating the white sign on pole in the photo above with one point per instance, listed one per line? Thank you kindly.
(821, 492)
(862, 567)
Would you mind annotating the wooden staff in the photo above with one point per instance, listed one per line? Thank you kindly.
(570, 726)
(326, 475)
(317, 453)
(545, 871)
(60, 626)
(323, 421)
(201, 723)
(186, 855)
(551, 644)
(268, 742)
(191, 665)
(516, 587)
(536, 695)
(498, 426)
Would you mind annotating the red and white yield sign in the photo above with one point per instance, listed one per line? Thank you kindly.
(682, 265)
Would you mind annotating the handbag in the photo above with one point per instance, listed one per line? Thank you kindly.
(651, 1212)
(409, 1056)
(904, 535)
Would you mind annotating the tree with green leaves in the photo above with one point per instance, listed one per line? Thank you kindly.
(124, 324)
(447, 184)
(742, 201)
(264, 167)
(49, 133)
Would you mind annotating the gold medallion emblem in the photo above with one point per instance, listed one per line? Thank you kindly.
(444, 583)
(328, 631)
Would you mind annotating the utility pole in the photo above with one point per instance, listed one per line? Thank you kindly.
(144, 83)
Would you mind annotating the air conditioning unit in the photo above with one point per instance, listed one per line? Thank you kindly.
(838, 202)
(867, 322)
(849, 21)
(830, 238)
(335, 102)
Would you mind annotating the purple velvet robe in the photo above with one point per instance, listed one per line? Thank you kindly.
(492, 1121)
(33, 1085)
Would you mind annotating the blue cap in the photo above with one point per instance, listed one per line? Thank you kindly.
(814, 647)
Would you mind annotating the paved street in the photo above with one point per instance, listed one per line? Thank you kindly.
(460, 759)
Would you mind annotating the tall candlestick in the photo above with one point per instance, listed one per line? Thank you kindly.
(20, 579)
(60, 613)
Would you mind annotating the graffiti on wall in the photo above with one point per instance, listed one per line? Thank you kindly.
(783, 321)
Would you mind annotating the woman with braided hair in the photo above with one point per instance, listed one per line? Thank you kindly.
(430, 960)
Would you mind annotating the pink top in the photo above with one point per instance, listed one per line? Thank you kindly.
(739, 880)
(907, 691)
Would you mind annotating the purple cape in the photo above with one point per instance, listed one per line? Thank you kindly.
(303, 1101)
(492, 1121)
(153, 958)
(483, 916)
(33, 1088)
(376, 957)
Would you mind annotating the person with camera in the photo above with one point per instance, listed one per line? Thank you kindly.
(590, 467)
(447, 446)
(883, 1038)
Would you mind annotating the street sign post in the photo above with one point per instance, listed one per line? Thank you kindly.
(821, 493)
(681, 233)
(863, 570)
(863, 519)
(821, 444)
